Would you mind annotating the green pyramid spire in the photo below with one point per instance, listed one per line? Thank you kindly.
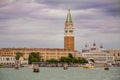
(69, 18)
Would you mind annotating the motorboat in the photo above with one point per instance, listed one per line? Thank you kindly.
(88, 66)
(106, 67)
(35, 68)
(65, 67)
(16, 66)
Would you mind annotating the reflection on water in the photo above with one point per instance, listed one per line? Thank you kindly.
(76, 73)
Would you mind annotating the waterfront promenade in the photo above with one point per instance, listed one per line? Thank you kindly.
(50, 73)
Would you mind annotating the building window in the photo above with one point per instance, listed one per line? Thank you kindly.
(71, 31)
(114, 54)
(66, 31)
(118, 54)
(7, 59)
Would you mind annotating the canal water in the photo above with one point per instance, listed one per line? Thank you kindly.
(47, 73)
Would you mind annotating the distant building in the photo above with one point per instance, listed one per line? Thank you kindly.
(7, 60)
(23, 61)
(116, 54)
(49, 53)
(100, 55)
(44, 53)
(6, 57)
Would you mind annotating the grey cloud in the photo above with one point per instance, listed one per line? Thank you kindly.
(113, 11)
(77, 3)
(23, 22)
(111, 31)
(5, 2)
(107, 6)
(17, 9)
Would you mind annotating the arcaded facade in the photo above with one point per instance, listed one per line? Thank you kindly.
(44, 53)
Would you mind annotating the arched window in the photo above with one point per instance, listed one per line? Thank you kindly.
(66, 31)
(7, 59)
(71, 31)
(114, 54)
(118, 54)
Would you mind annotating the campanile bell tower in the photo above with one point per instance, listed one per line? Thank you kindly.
(69, 32)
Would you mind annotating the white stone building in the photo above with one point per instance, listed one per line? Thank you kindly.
(100, 55)
(116, 53)
(22, 61)
(7, 60)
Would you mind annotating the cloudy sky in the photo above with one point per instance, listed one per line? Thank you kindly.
(40, 23)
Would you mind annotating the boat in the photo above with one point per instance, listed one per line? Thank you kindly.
(88, 66)
(30, 66)
(16, 66)
(106, 67)
(35, 68)
(65, 67)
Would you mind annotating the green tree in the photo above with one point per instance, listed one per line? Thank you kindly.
(33, 57)
(52, 60)
(62, 59)
(70, 55)
(92, 60)
(75, 60)
(82, 60)
(65, 59)
(18, 55)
